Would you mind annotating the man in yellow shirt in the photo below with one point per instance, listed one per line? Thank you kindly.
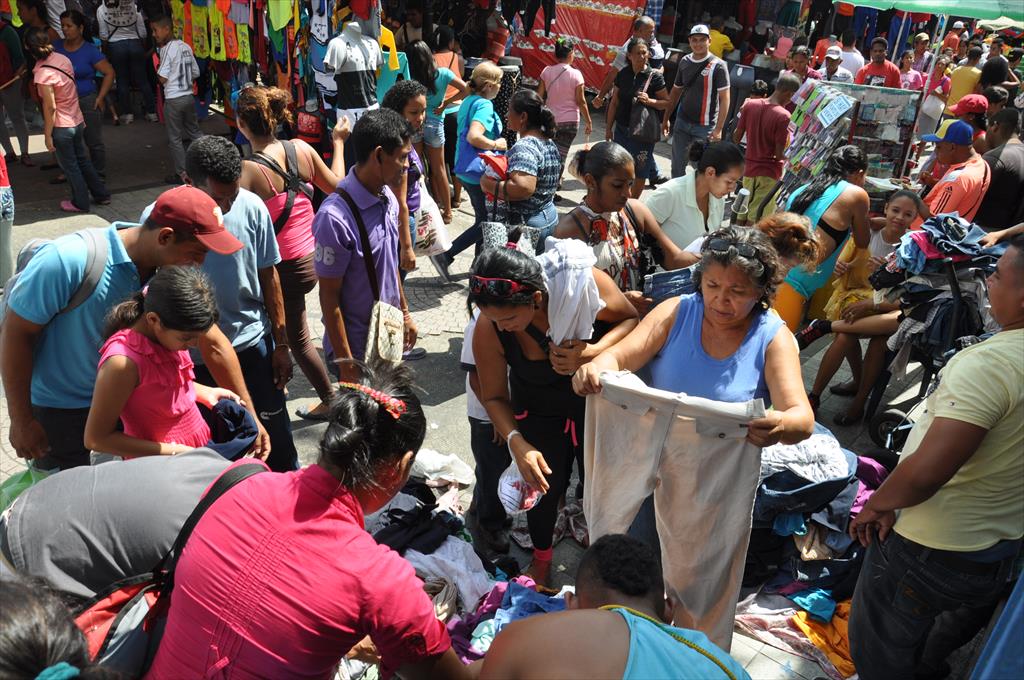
(964, 79)
(720, 43)
(937, 568)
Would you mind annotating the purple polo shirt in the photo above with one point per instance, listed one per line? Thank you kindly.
(339, 255)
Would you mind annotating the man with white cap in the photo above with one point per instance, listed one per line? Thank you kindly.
(834, 71)
(701, 92)
(952, 39)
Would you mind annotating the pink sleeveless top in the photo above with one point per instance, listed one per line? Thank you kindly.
(163, 406)
(296, 237)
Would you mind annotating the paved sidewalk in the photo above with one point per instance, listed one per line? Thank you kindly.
(137, 162)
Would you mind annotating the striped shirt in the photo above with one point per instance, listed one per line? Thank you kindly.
(961, 189)
(699, 102)
(178, 65)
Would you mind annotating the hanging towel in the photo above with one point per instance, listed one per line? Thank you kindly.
(200, 31)
(218, 51)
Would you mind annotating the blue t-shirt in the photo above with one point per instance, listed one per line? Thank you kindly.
(540, 158)
(444, 77)
(475, 108)
(387, 77)
(68, 350)
(682, 365)
(84, 59)
(235, 277)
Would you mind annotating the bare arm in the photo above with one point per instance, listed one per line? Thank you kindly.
(724, 96)
(541, 90)
(606, 86)
(741, 129)
(463, 91)
(49, 113)
(104, 67)
(791, 419)
(613, 108)
(477, 138)
(659, 101)
(326, 178)
(673, 102)
(407, 258)
(17, 359)
(116, 380)
(273, 300)
(581, 103)
(334, 322)
(518, 187)
(861, 226)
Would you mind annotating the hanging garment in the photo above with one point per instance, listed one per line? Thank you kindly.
(230, 39)
(530, 15)
(239, 12)
(573, 298)
(218, 50)
(244, 50)
(200, 31)
(182, 21)
(280, 13)
(352, 59)
(387, 39)
(692, 454)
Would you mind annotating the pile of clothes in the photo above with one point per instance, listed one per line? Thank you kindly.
(802, 566)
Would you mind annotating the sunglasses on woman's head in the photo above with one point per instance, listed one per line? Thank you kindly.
(722, 246)
(499, 288)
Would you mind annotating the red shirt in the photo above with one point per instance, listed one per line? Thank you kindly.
(4, 180)
(280, 580)
(767, 126)
(884, 75)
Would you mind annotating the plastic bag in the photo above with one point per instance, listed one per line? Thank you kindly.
(431, 233)
(515, 494)
(11, 488)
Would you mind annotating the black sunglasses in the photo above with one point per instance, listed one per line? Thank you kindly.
(722, 246)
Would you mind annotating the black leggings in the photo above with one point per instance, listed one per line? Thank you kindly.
(560, 440)
(297, 279)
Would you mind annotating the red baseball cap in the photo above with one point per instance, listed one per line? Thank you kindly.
(192, 211)
(972, 103)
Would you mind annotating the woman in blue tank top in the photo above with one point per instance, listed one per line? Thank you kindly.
(722, 342)
(837, 206)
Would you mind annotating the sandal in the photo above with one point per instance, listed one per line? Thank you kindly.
(414, 354)
(846, 389)
(306, 413)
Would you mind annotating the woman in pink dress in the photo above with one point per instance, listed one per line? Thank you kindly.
(145, 377)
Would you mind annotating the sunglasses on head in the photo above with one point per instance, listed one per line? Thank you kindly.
(722, 246)
(499, 288)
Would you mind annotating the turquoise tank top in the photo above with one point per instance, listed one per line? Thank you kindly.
(682, 365)
(808, 282)
(658, 650)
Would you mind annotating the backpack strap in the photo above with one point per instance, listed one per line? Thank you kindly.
(95, 265)
(292, 181)
(224, 483)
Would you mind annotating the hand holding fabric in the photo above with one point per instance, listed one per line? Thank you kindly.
(567, 357)
(766, 431)
(587, 380)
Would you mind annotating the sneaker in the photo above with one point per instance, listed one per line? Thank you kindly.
(127, 119)
(493, 541)
(152, 117)
(441, 264)
(815, 329)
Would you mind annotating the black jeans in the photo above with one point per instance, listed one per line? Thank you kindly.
(903, 588)
(269, 402)
(65, 431)
(491, 460)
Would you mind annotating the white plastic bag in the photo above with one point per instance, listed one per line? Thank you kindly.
(431, 233)
(515, 494)
(440, 469)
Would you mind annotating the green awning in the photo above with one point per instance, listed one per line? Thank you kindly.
(973, 9)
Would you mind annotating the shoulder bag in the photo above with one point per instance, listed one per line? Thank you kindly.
(385, 338)
(645, 122)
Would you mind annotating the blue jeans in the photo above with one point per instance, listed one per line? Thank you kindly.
(475, 234)
(684, 133)
(642, 153)
(544, 221)
(903, 588)
(6, 227)
(74, 160)
(269, 402)
(128, 58)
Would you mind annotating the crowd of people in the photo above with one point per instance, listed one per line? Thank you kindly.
(166, 344)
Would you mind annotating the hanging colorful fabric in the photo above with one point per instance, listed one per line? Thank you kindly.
(280, 13)
(296, 23)
(200, 31)
(224, 6)
(230, 39)
(244, 52)
(184, 31)
(217, 51)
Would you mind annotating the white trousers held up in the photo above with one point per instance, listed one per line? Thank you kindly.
(693, 454)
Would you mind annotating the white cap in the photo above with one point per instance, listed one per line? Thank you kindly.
(834, 53)
(958, 24)
(700, 29)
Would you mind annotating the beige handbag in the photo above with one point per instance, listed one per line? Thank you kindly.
(385, 338)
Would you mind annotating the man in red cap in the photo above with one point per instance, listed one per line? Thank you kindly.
(56, 310)
(971, 110)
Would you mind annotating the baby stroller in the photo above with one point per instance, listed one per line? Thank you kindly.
(944, 302)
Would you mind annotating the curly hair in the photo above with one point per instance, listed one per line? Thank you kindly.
(617, 563)
(262, 109)
(792, 237)
(763, 269)
(400, 93)
(214, 157)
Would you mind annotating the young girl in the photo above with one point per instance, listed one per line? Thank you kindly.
(865, 318)
(409, 99)
(145, 377)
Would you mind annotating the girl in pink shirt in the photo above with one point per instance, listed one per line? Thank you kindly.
(145, 376)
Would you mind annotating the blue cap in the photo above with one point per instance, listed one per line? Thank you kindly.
(953, 131)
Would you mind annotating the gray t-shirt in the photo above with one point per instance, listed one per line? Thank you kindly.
(84, 528)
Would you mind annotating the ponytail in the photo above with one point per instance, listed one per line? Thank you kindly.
(599, 160)
(125, 314)
(538, 116)
(262, 109)
(843, 162)
(182, 297)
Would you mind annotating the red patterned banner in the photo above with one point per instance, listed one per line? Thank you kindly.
(599, 28)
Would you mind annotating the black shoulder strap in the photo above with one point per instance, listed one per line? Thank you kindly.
(292, 181)
(225, 482)
(57, 68)
(364, 237)
(631, 216)
(579, 225)
(540, 338)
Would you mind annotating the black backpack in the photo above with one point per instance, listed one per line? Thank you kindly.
(292, 181)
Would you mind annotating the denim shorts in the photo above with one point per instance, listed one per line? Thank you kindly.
(433, 132)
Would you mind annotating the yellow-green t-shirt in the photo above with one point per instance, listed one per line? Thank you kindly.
(720, 44)
(983, 503)
(961, 83)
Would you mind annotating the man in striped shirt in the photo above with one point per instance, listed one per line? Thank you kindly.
(701, 92)
(966, 181)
